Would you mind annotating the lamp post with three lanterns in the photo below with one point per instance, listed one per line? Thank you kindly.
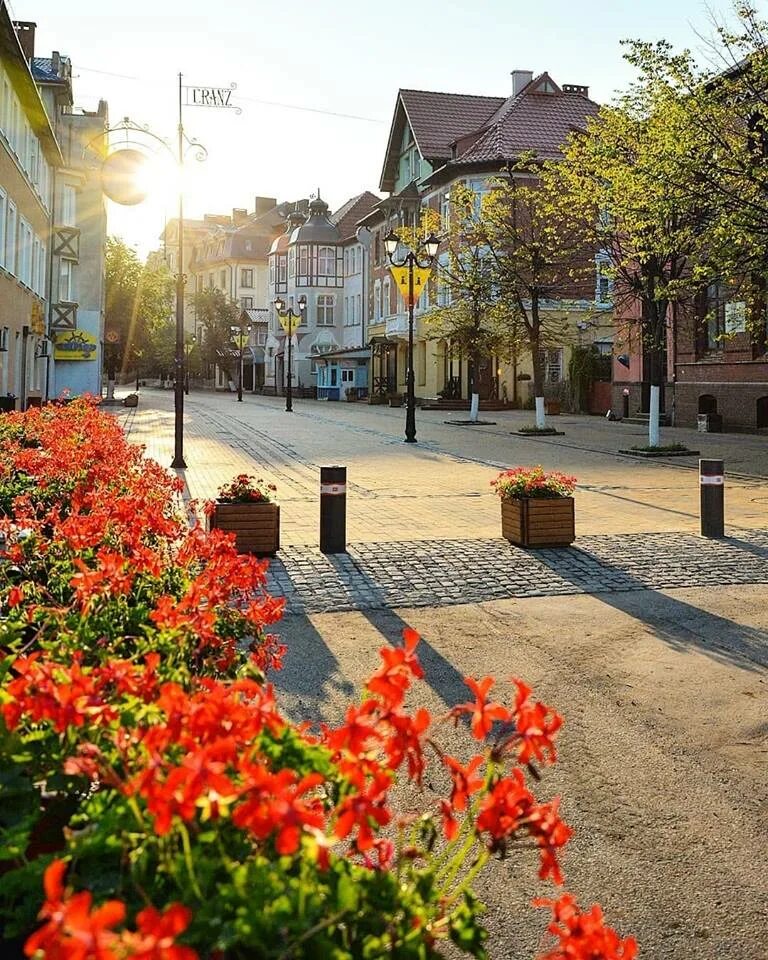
(288, 322)
(416, 263)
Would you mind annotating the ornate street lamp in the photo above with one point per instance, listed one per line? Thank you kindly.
(288, 320)
(187, 350)
(420, 259)
(244, 336)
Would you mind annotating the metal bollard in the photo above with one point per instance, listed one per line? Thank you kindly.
(712, 485)
(625, 400)
(333, 509)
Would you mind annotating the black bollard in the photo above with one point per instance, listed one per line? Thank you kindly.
(333, 509)
(712, 485)
(625, 397)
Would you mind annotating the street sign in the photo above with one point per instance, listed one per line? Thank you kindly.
(420, 278)
(220, 97)
(289, 322)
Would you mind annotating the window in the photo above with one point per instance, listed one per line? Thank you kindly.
(282, 266)
(445, 210)
(303, 261)
(246, 277)
(246, 303)
(347, 258)
(377, 248)
(324, 311)
(358, 312)
(386, 302)
(210, 281)
(2, 228)
(271, 271)
(41, 270)
(248, 247)
(10, 239)
(347, 376)
(65, 281)
(68, 212)
(347, 318)
(552, 361)
(377, 301)
(292, 262)
(326, 262)
(223, 279)
(261, 337)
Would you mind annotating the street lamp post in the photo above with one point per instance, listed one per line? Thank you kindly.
(187, 350)
(411, 260)
(288, 320)
(244, 334)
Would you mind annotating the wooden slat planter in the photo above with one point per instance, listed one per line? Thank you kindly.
(538, 522)
(256, 525)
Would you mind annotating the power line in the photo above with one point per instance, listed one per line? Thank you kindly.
(293, 106)
(106, 73)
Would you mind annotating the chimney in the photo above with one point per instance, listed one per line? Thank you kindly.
(520, 79)
(239, 215)
(25, 31)
(56, 62)
(262, 205)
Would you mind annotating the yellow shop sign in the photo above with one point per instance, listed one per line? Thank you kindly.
(74, 345)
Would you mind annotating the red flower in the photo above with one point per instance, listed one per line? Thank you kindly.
(464, 781)
(362, 809)
(584, 936)
(536, 725)
(400, 665)
(484, 714)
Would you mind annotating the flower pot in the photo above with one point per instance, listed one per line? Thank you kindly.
(256, 525)
(538, 521)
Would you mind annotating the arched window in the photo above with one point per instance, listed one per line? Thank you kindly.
(324, 311)
(326, 262)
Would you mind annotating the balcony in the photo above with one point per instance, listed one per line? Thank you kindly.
(397, 326)
(66, 243)
(64, 316)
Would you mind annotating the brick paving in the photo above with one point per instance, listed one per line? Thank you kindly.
(437, 573)
(422, 526)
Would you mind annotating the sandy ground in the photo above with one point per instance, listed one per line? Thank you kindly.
(664, 754)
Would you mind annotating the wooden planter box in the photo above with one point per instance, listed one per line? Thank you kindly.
(256, 525)
(538, 522)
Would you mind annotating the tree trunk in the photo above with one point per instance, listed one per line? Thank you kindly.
(538, 367)
(474, 388)
(657, 315)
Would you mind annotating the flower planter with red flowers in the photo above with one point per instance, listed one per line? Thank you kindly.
(536, 507)
(244, 507)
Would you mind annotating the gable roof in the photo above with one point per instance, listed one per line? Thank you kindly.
(349, 214)
(532, 120)
(436, 120)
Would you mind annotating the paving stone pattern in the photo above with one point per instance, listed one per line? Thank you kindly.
(444, 572)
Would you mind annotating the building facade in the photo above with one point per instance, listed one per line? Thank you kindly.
(322, 259)
(436, 141)
(78, 232)
(29, 155)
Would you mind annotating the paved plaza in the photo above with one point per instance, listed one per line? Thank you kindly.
(423, 526)
(652, 641)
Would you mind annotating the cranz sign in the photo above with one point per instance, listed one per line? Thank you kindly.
(211, 97)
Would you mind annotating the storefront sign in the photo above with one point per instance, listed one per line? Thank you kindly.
(420, 277)
(74, 345)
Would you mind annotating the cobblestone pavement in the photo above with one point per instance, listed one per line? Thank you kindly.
(442, 572)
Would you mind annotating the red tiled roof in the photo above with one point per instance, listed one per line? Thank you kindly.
(437, 119)
(349, 214)
(539, 122)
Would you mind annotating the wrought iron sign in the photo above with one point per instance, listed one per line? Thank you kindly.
(220, 97)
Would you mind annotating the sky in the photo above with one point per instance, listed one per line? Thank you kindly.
(340, 61)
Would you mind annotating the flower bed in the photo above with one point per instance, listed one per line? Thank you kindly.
(201, 822)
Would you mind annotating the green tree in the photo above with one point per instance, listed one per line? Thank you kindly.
(138, 302)
(472, 316)
(626, 180)
(541, 256)
(218, 314)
